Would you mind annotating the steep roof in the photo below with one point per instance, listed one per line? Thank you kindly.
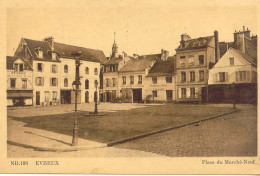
(34, 44)
(137, 65)
(196, 43)
(87, 54)
(150, 56)
(244, 55)
(163, 68)
(64, 50)
(10, 60)
(113, 61)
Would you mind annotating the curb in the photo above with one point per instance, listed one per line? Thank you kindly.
(166, 129)
(69, 149)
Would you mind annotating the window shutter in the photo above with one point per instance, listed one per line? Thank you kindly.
(42, 67)
(43, 81)
(237, 76)
(188, 93)
(196, 92)
(57, 69)
(50, 82)
(217, 76)
(226, 76)
(248, 75)
(179, 93)
(51, 68)
(57, 81)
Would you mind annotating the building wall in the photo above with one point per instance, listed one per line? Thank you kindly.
(209, 54)
(91, 77)
(240, 64)
(161, 88)
(47, 74)
(19, 76)
(143, 86)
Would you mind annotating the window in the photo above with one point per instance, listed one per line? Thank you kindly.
(16, 67)
(191, 60)
(86, 84)
(54, 95)
(13, 81)
(231, 60)
(183, 92)
(24, 83)
(21, 67)
(192, 92)
(242, 75)
(86, 70)
(66, 69)
(54, 68)
(183, 76)
(140, 79)
(182, 61)
(95, 71)
(201, 59)
(221, 76)
(39, 81)
(53, 56)
(124, 79)
(154, 93)
(154, 79)
(114, 82)
(131, 79)
(40, 54)
(201, 75)
(40, 67)
(47, 96)
(66, 82)
(53, 82)
(168, 79)
(192, 76)
(107, 82)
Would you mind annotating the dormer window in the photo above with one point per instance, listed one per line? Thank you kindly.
(40, 54)
(54, 56)
(18, 67)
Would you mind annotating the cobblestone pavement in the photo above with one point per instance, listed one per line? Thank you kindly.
(230, 135)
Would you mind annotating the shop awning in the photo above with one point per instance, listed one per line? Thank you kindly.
(19, 93)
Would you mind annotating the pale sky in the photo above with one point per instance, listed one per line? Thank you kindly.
(140, 28)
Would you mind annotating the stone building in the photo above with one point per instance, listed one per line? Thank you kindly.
(53, 70)
(194, 57)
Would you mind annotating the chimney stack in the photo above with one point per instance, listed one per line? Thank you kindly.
(217, 51)
(50, 40)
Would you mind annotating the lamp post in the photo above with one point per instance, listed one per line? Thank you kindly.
(75, 86)
(96, 85)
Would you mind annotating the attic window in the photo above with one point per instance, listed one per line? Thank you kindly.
(53, 56)
(39, 52)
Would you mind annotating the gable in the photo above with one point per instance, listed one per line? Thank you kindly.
(224, 61)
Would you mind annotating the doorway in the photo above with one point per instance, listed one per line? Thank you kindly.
(137, 95)
(169, 95)
(38, 98)
(86, 97)
(65, 96)
(204, 94)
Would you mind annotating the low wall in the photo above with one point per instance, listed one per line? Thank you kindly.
(228, 93)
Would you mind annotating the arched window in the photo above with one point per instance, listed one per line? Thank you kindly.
(96, 71)
(86, 84)
(66, 68)
(86, 70)
(66, 82)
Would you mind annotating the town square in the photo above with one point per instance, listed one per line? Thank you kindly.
(124, 84)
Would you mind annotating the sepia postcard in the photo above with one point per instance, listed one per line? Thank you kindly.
(129, 87)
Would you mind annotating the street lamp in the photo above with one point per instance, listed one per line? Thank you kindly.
(75, 86)
(95, 97)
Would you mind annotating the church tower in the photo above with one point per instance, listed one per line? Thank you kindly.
(114, 48)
